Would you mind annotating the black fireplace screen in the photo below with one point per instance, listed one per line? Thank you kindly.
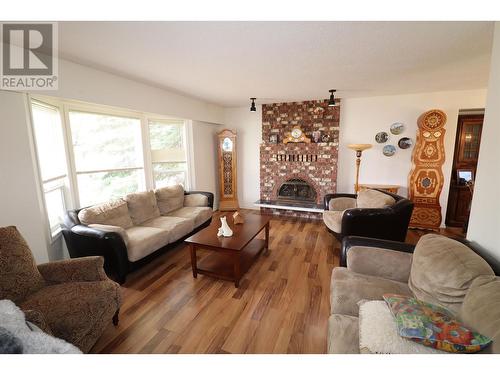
(296, 190)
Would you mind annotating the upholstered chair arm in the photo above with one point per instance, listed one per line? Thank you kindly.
(70, 270)
(376, 257)
(329, 197)
(209, 195)
(375, 261)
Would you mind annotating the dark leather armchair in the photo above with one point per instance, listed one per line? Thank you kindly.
(390, 223)
(83, 240)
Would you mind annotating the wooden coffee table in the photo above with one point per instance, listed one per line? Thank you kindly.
(232, 256)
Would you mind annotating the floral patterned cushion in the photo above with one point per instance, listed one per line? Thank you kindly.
(433, 326)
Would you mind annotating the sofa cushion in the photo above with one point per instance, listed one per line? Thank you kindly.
(177, 226)
(73, 309)
(347, 288)
(341, 203)
(111, 228)
(443, 270)
(373, 199)
(481, 309)
(343, 334)
(333, 220)
(110, 213)
(378, 332)
(19, 274)
(195, 200)
(142, 206)
(143, 241)
(198, 214)
(170, 198)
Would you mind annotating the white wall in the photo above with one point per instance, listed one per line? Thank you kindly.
(204, 163)
(82, 83)
(484, 224)
(20, 202)
(248, 126)
(362, 118)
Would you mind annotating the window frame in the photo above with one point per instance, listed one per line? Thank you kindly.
(64, 107)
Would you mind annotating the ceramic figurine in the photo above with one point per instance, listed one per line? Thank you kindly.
(224, 230)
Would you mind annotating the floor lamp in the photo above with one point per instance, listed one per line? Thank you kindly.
(359, 148)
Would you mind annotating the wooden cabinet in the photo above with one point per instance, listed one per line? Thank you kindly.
(467, 144)
(389, 188)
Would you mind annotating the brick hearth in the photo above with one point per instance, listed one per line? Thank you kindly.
(315, 163)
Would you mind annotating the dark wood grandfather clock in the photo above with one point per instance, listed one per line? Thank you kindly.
(227, 171)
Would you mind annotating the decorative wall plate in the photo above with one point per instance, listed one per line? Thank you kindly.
(389, 150)
(397, 128)
(405, 143)
(381, 137)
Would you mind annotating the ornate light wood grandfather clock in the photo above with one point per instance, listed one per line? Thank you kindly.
(227, 171)
(426, 176)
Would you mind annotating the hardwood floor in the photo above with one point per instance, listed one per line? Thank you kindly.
(282, 305)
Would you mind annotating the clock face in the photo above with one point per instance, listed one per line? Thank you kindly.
(296, 133)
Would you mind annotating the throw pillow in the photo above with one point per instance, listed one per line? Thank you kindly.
(433, 326)
(378, 333)
(374, 199)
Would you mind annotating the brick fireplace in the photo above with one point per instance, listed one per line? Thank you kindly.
(298, 173)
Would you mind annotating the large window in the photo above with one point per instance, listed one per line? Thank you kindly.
(51, 154)
(88, 154)
(168, 152)
(108, 156)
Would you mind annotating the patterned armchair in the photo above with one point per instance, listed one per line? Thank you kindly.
(71, 299)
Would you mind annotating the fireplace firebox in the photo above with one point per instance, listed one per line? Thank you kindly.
(296, 190)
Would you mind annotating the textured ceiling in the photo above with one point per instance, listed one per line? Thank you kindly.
(227, 62)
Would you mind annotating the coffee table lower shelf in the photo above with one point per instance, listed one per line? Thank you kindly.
(229, 265)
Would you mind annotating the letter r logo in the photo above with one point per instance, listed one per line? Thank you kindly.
(27, 49)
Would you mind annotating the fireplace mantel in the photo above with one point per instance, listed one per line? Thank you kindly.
(315, 163)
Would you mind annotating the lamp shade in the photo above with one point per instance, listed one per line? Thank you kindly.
(359, 146)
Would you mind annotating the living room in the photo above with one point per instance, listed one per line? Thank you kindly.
(273, 189)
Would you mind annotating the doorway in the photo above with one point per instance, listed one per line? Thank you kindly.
(467, 143)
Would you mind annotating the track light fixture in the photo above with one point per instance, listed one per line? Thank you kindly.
(252, 106)
(331, 101)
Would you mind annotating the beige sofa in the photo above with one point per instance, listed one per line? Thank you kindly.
(129, 229)
(438, 270)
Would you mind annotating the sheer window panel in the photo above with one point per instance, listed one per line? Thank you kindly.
(168, 152)
(51, 155)
(167, 174)
(98, 187)
(104, 142)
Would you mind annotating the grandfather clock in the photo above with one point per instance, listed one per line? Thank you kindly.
(227, 171)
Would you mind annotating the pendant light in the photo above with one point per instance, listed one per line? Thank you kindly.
(252, 106)
(331, 101)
